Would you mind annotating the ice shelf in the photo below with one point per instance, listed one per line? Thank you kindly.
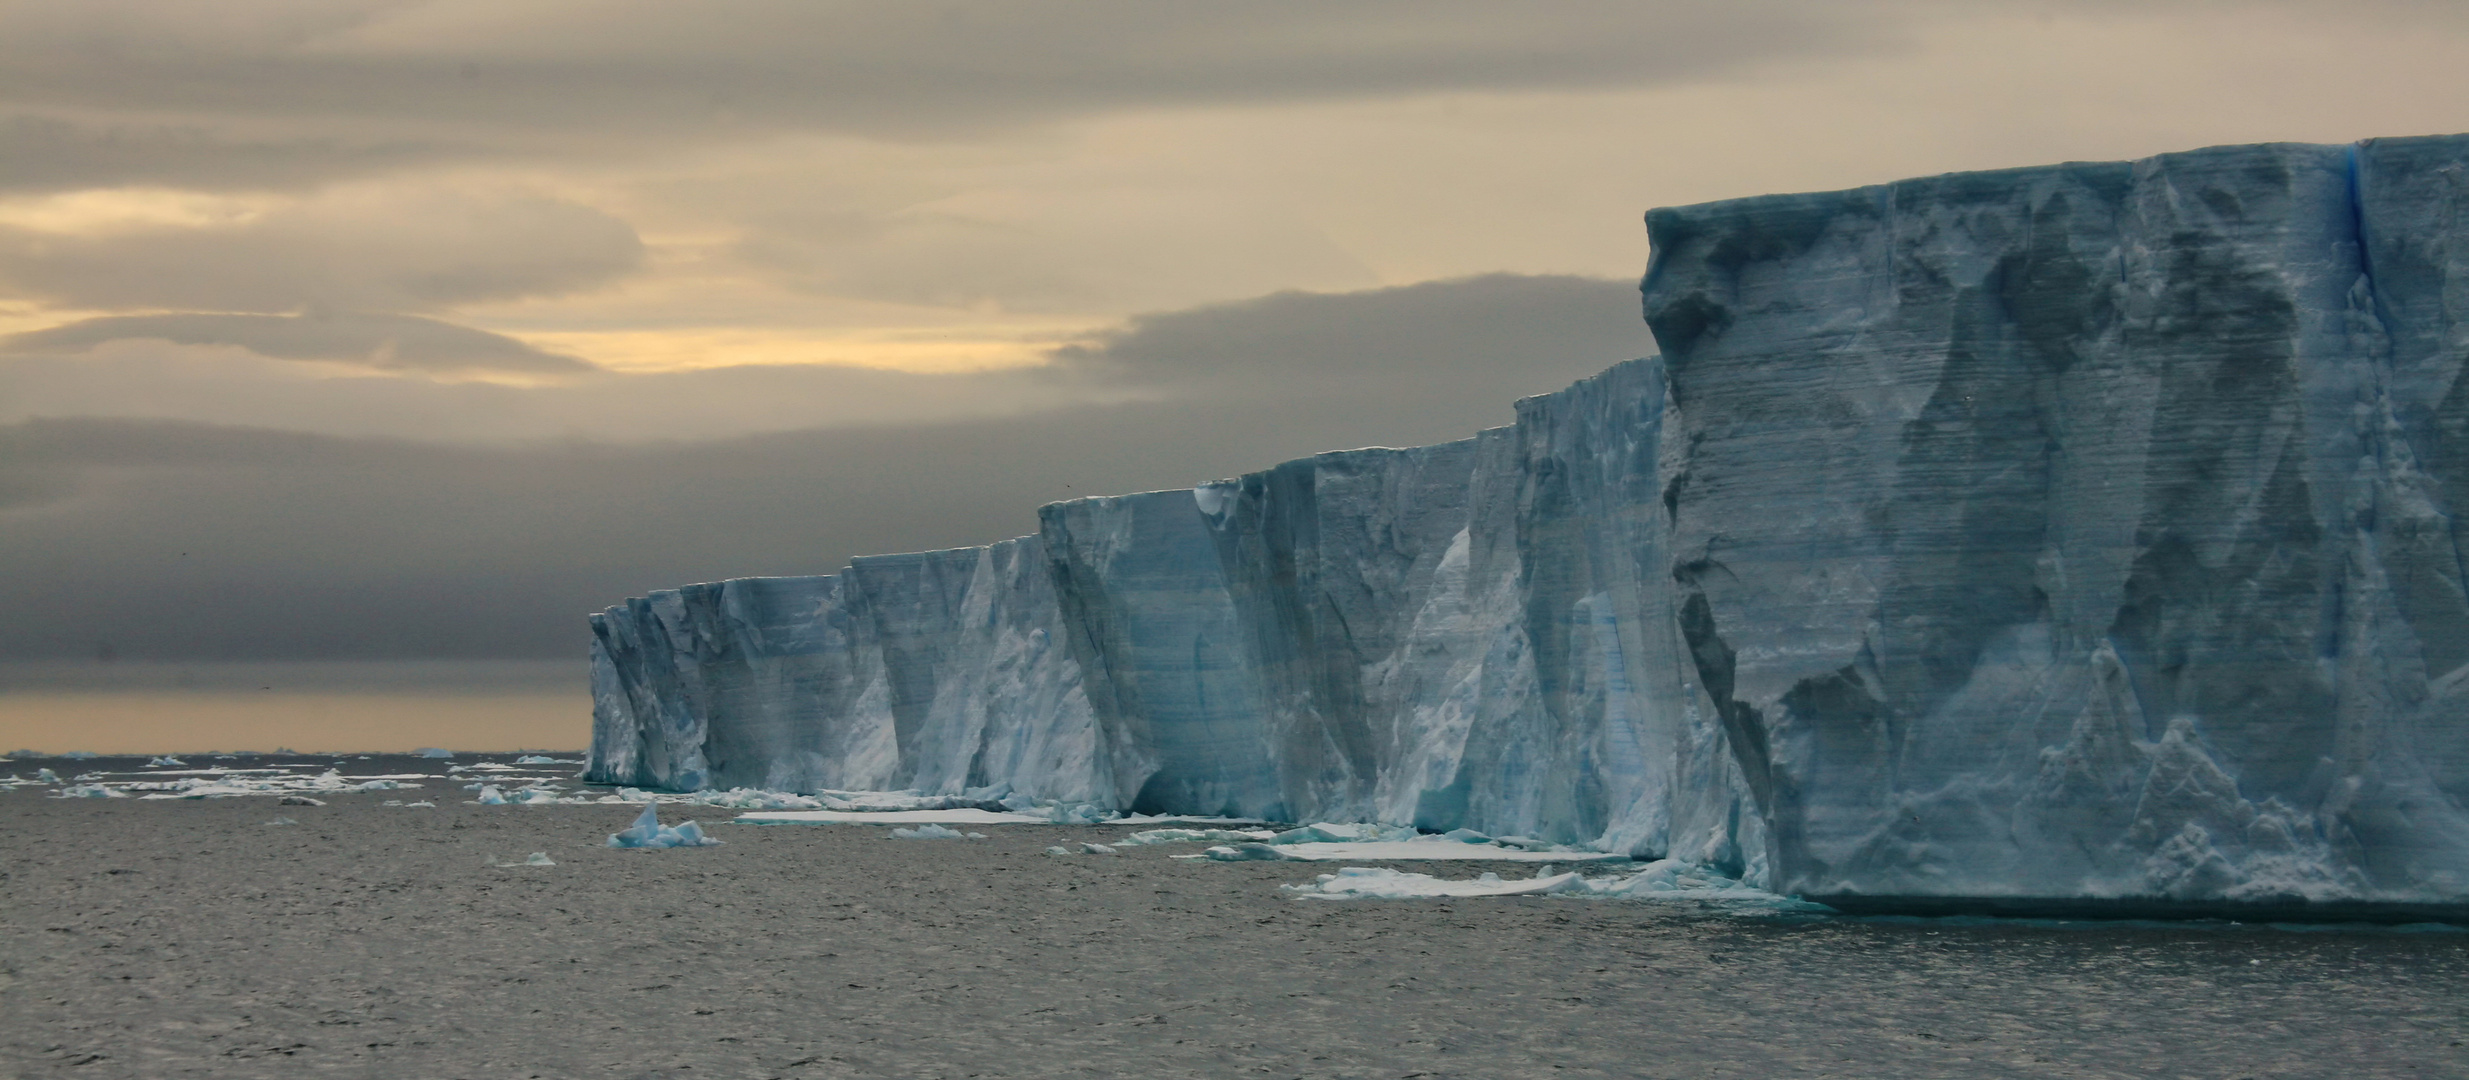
(2075, 531)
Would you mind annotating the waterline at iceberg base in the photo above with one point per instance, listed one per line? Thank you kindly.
(2078, 535)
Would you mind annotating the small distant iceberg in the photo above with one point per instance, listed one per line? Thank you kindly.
(648, 832)
(433, 752)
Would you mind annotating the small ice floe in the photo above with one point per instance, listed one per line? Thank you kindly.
(89, 791)
(299, 800)
(282, 821)
(1364, 842)
(890, 817)
(931, 831)
(1661, 880)
(543, 759)
(490, 796)
(648, 832)
(433, 752)
(1380, 883)
(46, 776)
(421, 805)
(1241, 853)
(1080, 849)
(1190, 836)
(166, 762)
(538, 858)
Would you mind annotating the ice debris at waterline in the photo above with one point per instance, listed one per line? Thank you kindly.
(931, 831)
(1662, 880)
(2075, 531)
(648, 832)
(538, 858)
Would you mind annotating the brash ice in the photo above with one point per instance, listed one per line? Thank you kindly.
(2084, 531)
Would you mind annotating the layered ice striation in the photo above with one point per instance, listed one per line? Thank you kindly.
(2070, 532)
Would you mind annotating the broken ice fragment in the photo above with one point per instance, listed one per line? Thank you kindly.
(1245, 853)
(648, 832)
(930, 831)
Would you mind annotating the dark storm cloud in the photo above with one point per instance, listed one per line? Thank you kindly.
(347, 249)
(336, 88)
(1454, 330)
(400, 342)
(177, 540)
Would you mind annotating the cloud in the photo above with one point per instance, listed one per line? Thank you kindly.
(173, 539)
(1420, 362)
(47, 153)
(356, 248)
(388, 342)
(344, 85)
(1458, 332)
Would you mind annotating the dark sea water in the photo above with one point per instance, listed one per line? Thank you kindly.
(190, 938)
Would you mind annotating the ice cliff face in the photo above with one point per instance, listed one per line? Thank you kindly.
(2081, 531)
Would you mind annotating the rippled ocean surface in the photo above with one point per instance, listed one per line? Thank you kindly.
(195, 937)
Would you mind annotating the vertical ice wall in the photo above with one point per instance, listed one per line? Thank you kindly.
(2073, 531)
(2086, 530)
(940, 670)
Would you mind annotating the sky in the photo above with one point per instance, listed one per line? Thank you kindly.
(352, 351)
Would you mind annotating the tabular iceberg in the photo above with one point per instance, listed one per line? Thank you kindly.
(2068, 532)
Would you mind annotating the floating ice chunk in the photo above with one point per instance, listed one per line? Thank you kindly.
(421, 805)
(1250, 852)
(1079, 848)
(1380, 883)
(1672, 879)
(391, 802)
(1333, 833)
(1427, 848)
(46, 776)
(930, 831)
(298, 800)
(1466, 836)
(282, 821)
(543, 759)
(89, 791)
(538, 858)
(648, 832)
(87, 778)
(1665, 879)
(431, 752)
(166, 762)
(1185, 836)
(1081, 814)
(891, 817)
(490, 796)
